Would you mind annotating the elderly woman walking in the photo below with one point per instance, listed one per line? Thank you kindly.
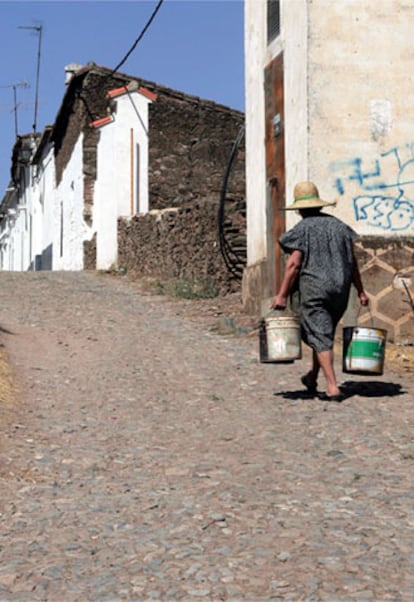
(322, 265)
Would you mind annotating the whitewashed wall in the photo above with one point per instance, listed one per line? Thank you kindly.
(121, 187)
(16, 227)
(6, 232)
(293, 43)
(69, 228)
(255, 55)
(43, 205)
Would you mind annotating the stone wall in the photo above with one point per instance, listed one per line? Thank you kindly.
(190, 145)
(190, 142)
(89, 254)
(176, 243)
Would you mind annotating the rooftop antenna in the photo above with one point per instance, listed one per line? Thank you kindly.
(22, 84)
(38, 29)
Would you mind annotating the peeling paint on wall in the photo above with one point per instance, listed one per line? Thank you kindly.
(380, 114)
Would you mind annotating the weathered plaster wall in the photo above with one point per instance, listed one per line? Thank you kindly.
(294, 18)
(361, 141)
(361, 131)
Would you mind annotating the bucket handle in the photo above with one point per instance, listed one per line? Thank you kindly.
(289, 312)
(371, 317)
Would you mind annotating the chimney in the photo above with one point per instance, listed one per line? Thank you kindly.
(70, 71)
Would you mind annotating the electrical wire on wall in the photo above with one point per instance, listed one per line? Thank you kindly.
(234, 261)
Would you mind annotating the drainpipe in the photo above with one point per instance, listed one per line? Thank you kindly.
(131, 154)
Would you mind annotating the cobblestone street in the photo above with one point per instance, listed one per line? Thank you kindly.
(149, 457)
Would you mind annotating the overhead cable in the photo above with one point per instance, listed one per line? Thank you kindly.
(139, 38)
(90, 87)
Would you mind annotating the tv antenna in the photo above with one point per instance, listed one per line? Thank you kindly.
(38, 29)
(22, 84)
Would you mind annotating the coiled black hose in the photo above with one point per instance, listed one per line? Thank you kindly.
(233, 260)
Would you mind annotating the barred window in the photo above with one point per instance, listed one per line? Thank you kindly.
(273, 19)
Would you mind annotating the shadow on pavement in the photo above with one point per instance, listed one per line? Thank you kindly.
(370, 388)
(296, 395)
(5, 330)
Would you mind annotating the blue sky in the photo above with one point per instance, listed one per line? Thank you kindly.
(195, 46)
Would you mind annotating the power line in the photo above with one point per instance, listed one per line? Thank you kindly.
(139, 38)
(130, 51)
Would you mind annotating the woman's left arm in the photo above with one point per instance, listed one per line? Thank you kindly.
(357, 282)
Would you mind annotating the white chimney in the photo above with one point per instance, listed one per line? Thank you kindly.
(70, 71)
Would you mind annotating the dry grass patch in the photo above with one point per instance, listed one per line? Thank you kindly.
(8, 387)
(399, 357)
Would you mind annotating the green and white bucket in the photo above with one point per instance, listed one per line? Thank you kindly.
(363, 350)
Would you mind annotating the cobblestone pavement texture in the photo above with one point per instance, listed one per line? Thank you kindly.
(149, 457)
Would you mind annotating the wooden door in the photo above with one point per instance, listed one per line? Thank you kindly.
(275, 166)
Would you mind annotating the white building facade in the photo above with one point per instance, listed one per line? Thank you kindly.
(43, 223)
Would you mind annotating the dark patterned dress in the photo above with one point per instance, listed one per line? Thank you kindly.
(325, 275)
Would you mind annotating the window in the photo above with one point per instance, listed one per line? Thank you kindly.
(273, 19)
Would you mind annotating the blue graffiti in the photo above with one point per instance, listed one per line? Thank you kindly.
(384, 212)
(357, 174)
(381, 204)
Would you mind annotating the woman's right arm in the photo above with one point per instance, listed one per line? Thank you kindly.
(292, 270)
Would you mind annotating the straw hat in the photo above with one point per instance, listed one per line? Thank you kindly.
(307, 197)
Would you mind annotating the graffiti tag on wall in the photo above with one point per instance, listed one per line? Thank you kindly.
(384, 203)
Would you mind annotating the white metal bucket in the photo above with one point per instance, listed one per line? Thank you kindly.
(363, 350)
(280, 340)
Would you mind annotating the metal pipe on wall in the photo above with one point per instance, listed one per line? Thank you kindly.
(131, 165)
